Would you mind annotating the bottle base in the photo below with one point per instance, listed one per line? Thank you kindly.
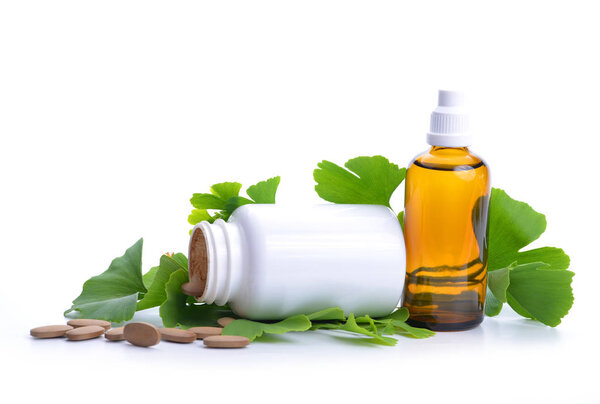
(437, 326)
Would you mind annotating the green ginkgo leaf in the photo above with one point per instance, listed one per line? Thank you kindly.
(334, 313)
(224, 198)
(351, 326)
(148, 277)
(176, 310)
(254, 329)
(264, 191)
(512, 226)
(408, 330)
(200, 215)
(365, 180)
(499, 280)
(540, 292)
(157, 293)
(113, 294)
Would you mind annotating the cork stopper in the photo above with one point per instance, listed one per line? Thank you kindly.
(198, 265)
(215, 262)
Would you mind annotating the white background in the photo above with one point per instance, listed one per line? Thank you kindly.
(113, 113)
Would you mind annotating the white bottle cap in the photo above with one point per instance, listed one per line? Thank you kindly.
(449, 121)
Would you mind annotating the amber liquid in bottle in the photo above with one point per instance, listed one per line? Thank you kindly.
(445, 225)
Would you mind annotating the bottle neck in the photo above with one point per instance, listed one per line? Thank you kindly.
(215, 261)
(449, 140)
(448, 158)
(435, 149)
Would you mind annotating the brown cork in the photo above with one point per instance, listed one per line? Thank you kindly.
(192, 290)
(198, 264)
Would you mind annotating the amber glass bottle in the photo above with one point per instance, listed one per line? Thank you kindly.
(445, 226)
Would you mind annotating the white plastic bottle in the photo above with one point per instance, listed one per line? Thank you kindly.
(269, 261)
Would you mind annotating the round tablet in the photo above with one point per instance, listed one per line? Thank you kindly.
(203, 332)
(226, 341)
(115, 334)
(177, 335)
(84, 322)
(223, 321)
(83, 333)
(50, 331)
(141, 334)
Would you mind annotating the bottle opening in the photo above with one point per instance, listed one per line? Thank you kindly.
(198, 265)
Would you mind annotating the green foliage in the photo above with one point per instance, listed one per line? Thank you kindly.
(535, 283)
(351, 326)
(493, 306)
(264, 191)
(224, 198)
(554, 257)
(148, 277)
(113, 294)
(177, 311)
(157, 294)
(540, 292)
(407, 330)
(512, 226)
(401, 219)
(396, 323)
(334, 313)
(333, 319)
(401, 314)
(225, 190)
(498, 282)
(375, 328)
(122, 285)
(254, 329)
(200, 215)
(366, 180)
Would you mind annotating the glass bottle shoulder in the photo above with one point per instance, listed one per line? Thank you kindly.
(448, 159)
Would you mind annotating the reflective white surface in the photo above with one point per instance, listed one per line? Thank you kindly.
(301, 259)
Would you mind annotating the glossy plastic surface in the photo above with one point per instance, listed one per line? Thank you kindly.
(273, 261)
